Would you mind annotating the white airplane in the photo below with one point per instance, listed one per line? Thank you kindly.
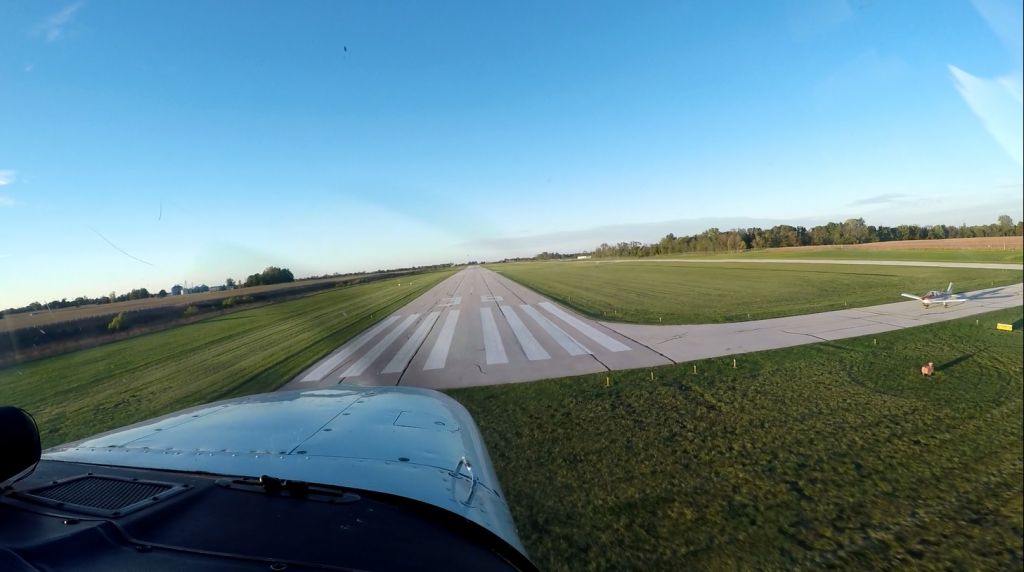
(348, 478)
(938, 297)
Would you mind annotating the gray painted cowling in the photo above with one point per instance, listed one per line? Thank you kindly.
(415, 443)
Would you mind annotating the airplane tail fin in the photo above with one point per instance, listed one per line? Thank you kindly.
(911, 296)
(949, 289)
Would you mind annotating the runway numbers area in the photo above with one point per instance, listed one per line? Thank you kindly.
(445, 314)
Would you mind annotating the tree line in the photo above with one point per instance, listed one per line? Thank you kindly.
(853, 231)
(270, 275)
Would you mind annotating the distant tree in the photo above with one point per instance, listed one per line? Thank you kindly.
(176, 290)
(253, 280)
(853, 231)
(138, 294)
(937, 232)
(118, 323)
(275, 275)
(161, 294)
(1005, 222)
(229, 283)
(201, 288)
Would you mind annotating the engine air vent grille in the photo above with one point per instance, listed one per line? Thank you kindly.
(102, 495)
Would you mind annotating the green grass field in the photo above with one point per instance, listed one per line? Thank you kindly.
(694, 293)
(828, 455)
(1009, 256)
(81, 393)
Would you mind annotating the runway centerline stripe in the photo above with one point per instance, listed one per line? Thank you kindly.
(439, 354)
(530, 346)
(364, 362)
(492, 339)
(609, 343)
(337, 359)
(404, 355)
(568, 343)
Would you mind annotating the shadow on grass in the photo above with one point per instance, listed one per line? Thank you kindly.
(954, 362)
(990, 294)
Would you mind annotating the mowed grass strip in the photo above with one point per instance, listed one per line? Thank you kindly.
(829, 455)
(996, 255)
(694, 293)
(82, 393)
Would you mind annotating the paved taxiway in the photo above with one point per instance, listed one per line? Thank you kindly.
(479, 328)
(685, 343)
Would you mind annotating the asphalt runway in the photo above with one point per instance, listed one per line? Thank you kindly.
(479, 328)
(476, 328)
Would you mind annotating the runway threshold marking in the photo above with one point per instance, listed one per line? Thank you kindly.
(337, 359)
(404, 355)
(609, 343)
(439, 353)
(568, 343)
(531, 347)
(364, 362)
(495, 352)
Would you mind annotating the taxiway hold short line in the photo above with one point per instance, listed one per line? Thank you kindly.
(337, 359)
(531, 347)
(404, 355)
(439, 354)
(568, 343)
(364, 362)
(492, 339)
(609, 343)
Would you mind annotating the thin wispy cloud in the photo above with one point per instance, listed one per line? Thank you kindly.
(7, 177)
(6, 201)
(52, 28)
(999, 101)
(882, 199)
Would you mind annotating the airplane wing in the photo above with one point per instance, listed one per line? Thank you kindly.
(911, 296)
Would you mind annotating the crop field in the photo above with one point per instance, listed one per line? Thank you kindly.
(694, 293)
(821, 456)
(46, 317)
(81, 393)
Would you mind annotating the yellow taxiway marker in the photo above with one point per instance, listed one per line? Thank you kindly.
(1005, 327)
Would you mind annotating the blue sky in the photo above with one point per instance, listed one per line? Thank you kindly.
(143, 144)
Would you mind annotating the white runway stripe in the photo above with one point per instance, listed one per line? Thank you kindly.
(339, 358)
(439, 354)
(364, 362)
(529, 343)
(404, 355)
(609, 343)
(568, 343)
(492, 339)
